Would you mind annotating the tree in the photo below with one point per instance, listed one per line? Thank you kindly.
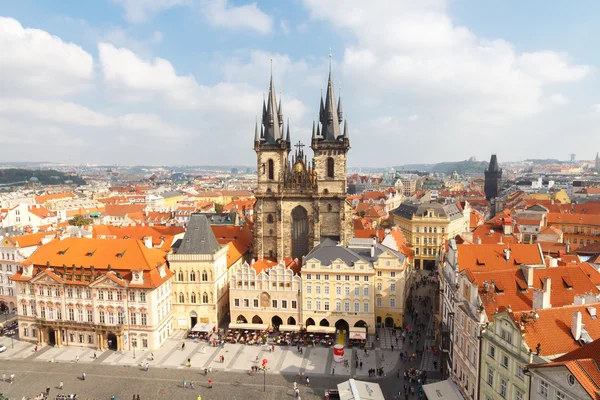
(80, 220)
(218, 208)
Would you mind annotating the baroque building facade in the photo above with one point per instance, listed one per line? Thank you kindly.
(96, 293)
(300, 203)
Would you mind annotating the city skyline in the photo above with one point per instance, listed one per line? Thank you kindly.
(183, 80)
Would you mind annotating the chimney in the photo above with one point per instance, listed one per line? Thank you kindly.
(576, 326)
(148, 241)
(579, 300)
(507, 254)
(477, 240)
(553, 263)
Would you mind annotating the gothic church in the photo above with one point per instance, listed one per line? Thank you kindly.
(299, 202)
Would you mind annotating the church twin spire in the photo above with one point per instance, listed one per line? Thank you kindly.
(327, 129)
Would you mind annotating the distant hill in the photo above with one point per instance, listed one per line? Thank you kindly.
(462, 167)
(22, 176)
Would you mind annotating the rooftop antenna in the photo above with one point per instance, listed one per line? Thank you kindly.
(271, 67)
(330, 60)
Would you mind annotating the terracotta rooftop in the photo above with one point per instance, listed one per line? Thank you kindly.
(491, 257)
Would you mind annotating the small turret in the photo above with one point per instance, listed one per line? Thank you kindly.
(339, 109)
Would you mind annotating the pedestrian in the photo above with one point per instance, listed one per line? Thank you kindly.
(332, 371)
(295, 386)
(47, 390)
(147, 367)
(95, 356)
(77, 358)
(192, 385)
(36, 348)
(392, 347)
(307, 382)
(61, 385)
(83, 376)
(12, 378)
(184, 383)
(360, 364)
(301, 375)
(3, 377)
(183, 346)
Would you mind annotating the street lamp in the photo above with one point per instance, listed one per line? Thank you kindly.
(134, 344)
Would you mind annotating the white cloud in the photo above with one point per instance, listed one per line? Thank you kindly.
(32, 60)
(120, 37)
(137, 11)
(413, 117)
(415, 49)
(595, 110)
(244, 17)
(559, 99)
(53, 112)
(285, 27)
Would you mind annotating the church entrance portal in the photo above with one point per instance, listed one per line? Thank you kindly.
(299, 232)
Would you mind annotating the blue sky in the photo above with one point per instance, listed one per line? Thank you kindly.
(181, 81)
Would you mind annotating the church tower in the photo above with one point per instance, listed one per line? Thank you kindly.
(597, 162)
(493, 179)
(298, 202)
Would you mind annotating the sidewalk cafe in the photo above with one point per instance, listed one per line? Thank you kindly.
(201, 331)
(323, 335)
(247, 333)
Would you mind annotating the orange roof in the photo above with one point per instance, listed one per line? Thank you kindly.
(490, 257)
(265, 263)
(551, 230)
(585, 369)
(54, 196)
(579, 219)
(121, 210)
(135, 232)
(369, 234)
(33, 239)
(238, 238)
(565, 283)
(120, 254)
(591, 272)
(41, 211)
(552, 329)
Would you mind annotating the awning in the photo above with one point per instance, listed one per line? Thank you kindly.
(289, 328)
(249, 327)
(357, 333)
(320, 329)
(360, 390)
(443, 390)
(200, 327)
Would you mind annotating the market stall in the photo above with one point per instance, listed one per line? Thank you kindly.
(442, 390)
(357, 336)
(359, 390)
(201, 331)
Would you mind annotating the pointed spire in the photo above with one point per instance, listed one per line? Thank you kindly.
(318, 130)
(279, 108)
(272, 123)
(329, 117)
(287, 137)
(314, 131)
(256, 134)
(339, 108)
(346, 130)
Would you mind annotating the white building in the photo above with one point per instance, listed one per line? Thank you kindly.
(95, 293)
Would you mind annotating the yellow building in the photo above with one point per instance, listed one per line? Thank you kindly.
(171, 198)
(265, 293)
(361, 285)
(561, 196)
(425, 225)
(200, 284)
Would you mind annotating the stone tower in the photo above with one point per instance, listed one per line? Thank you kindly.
(493, 179)
(299, 203)
(597, 162)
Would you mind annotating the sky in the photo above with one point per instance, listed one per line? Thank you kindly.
(181, 82)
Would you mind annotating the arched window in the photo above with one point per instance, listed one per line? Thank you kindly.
(270, 253)
(193, 297)
(180, 276)
(205, 297)
(329, 207)
(271, 169)
(271, 232)
(204, 276)
(181, 298)
(270, 218)
(193, 276)
(325, 191)
(330, 167)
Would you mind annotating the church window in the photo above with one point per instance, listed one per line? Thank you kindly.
(330, 167)
(204, 276)
(205, 297)
(193, 297)
(329, 207)
(270, 218)
(271, 169)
